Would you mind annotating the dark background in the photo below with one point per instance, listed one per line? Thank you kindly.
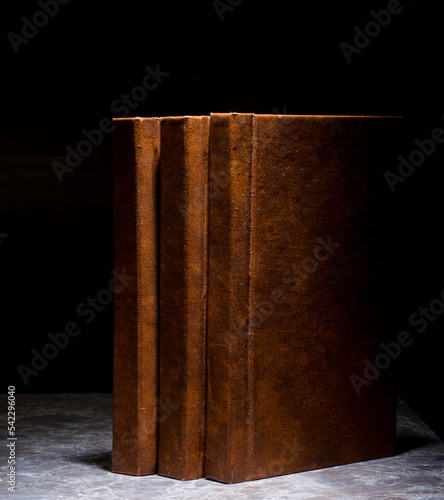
(263, 57)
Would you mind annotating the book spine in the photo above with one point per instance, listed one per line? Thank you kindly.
(136, 158)
(227, 442)
(183, 295)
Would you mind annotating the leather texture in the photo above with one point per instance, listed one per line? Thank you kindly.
(183, 274)
(136, 145)
(281, 221)
(231, 153)
(296, 294)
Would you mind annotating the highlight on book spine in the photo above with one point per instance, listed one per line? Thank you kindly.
(183, 295)
(136, 143)
(297, 293)
(231, 150)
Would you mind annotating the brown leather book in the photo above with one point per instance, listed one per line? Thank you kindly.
(296, 294)
(183, 295)
(136, 143)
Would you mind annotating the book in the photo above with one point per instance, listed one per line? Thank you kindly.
(183, 260)
(297, 301)
(136, 145)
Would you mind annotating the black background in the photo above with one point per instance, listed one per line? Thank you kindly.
(263, 57)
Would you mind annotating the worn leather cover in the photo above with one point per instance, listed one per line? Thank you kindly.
(231, 152)
(183, 295)
(136, 157)
(297, 290)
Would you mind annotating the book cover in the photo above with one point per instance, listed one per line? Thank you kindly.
(296, 294)
(136, 143)
(183, 259)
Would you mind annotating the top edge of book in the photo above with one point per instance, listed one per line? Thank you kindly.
(140, 118)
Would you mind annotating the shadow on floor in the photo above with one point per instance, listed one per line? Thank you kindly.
(404, 444)
(411, 442)
(102, 460)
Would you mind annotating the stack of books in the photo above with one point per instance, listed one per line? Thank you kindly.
(255, 302)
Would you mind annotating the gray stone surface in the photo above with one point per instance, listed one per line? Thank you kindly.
(64, 451)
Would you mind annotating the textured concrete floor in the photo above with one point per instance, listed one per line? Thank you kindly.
(63, 451)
